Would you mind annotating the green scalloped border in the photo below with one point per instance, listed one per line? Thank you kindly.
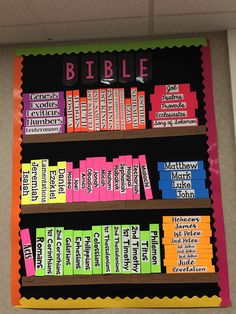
(117, 46)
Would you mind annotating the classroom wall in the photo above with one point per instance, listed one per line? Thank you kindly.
(227, 160)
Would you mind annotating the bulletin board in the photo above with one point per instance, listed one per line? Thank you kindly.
(153, 69)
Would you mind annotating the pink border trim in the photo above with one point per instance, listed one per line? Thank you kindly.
(223, 279)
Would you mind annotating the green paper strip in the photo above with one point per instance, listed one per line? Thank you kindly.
(145, 252)
(97, 249)
(68, 252)
(155, 248)
(40, 252)
(78, 252)
(58, 251)
(117, 46)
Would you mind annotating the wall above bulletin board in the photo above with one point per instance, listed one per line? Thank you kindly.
(116, 188)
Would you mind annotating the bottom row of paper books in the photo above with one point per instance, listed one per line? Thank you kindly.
(107, 249)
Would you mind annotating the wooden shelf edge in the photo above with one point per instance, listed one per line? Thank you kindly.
(119, 279)
(116, 205)
(114, 135)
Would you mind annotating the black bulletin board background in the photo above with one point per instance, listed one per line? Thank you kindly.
(170, 66)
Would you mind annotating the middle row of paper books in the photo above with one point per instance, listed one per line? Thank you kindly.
(107, 249)
(95, 180)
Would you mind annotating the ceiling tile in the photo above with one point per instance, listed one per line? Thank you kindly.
(167, 7)
(99, 29)
(14, 12)
(21, 34)
(194, 23)
(77, 10)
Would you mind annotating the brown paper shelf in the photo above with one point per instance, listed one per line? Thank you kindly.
(119, 279)
(116, 205)
(114, 135)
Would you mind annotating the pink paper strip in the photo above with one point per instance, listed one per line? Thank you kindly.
(83, 181)
(223, 277)
(103, 183)
(96, 179)
(136, 179)
(109, 178)
(76, 185)
(129, 177)
(69, 182)
(116, 179)
(122, 167)
(90, 196)
(28, 252)
(145, 177)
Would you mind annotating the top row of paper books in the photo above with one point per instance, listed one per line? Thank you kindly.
(108, 109)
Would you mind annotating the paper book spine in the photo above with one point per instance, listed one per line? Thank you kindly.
(59, 243)
(116, 109)
(77, 112)
(96, 179)
(129, 177)
(36, 181)
(136, 179)
(116, 171)
(134, 106)
(69, 182)
(90, 195)
(87, 252)
(96, 102)
(180, 165)
(69, 112)
(185, 194)
(40, 252)
(176, 123)
(76, 185)
(135, 248)
(83, 181)
(182, 175)
(44, 129)
(45, 181)
(117, 249)
(61, 182)
(186, 240)
(97, 249)
(78, 252)
(109, 178)
(126, 249)
(103, 109)
(186, 219)
(141, 110)
(50, 254)
(106, 249)
(187, 233)
(103, 181)
(145, 177)
(182, 184)
(90, 110)
(155, 241)
(84, 114)
(39, 113)
(110, 109)
(145, 252)
(68, 252)
(122, 109)
(128, 114)
(44, 121)
(27, 252)
(190, 269)
(25, 184)
(43, 96)
(52, 186)
(122, 168)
